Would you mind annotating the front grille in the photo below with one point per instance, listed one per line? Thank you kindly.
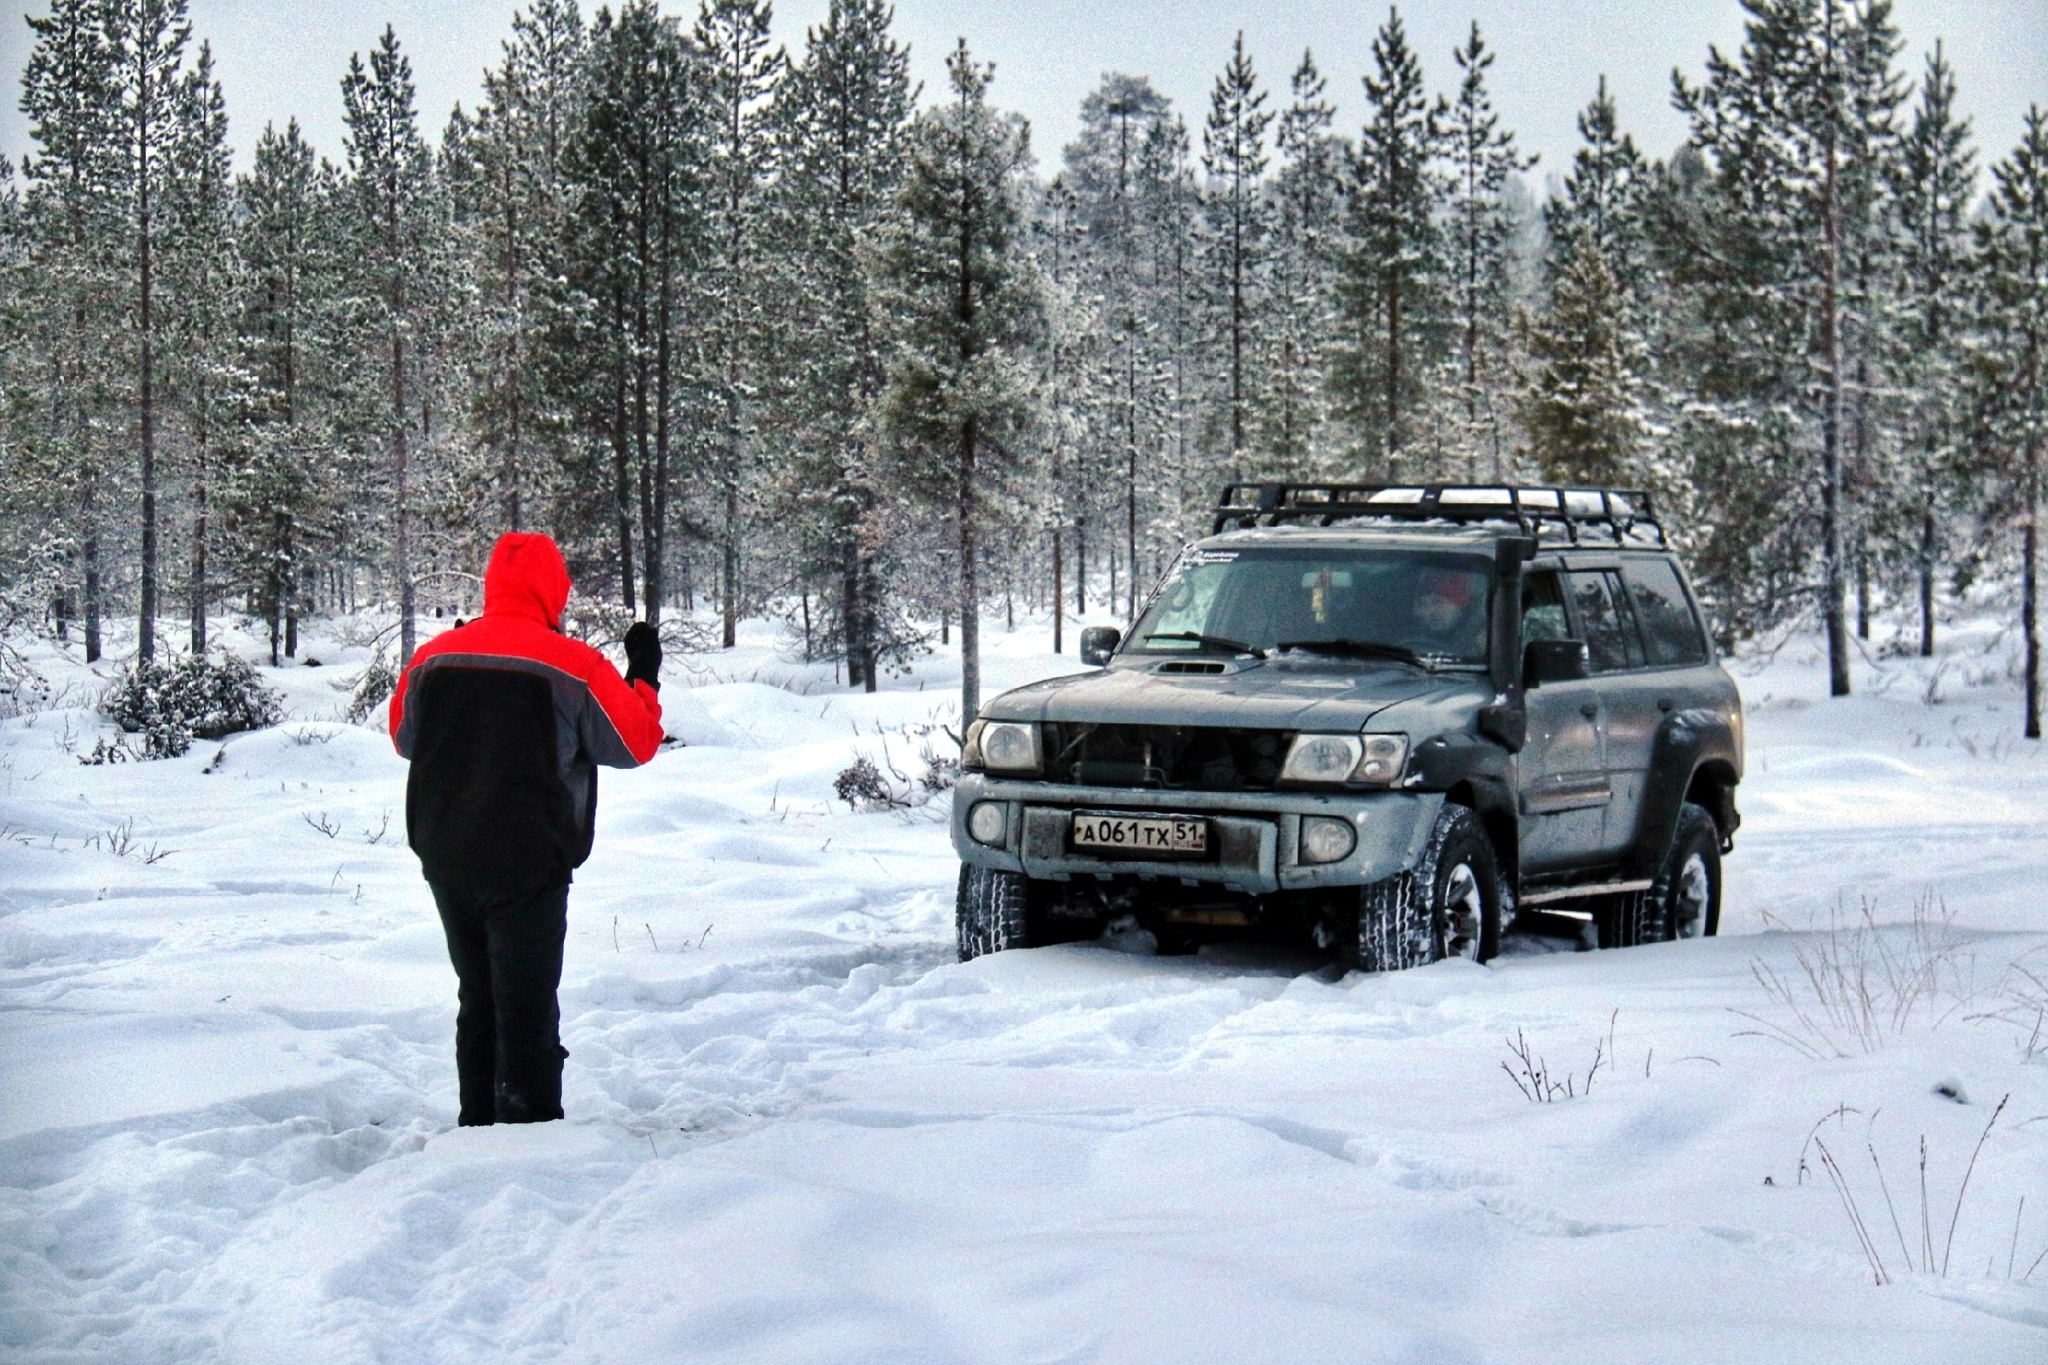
(1176, 757)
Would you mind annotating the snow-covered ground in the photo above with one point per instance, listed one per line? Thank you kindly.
(800, 1132)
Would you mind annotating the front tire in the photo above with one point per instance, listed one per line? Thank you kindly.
(991, 911)
(1447, 906)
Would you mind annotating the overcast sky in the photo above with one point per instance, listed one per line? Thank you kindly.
(284, 58)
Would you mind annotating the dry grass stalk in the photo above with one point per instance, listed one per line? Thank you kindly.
(1860, 984)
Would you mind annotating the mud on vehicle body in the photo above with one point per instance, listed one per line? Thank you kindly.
(1382, 719)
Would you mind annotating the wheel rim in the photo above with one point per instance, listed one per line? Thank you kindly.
(1689, 899)
(1464, 913)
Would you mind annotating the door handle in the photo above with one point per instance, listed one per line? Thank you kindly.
(1663, 703)
(1590, 710)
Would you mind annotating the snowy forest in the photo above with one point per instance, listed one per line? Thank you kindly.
(763, 332)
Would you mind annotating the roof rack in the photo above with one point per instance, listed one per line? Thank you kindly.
(1616, 514)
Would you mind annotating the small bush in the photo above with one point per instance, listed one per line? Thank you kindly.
(861, 786)
(864, 786)
(195, 697)
(371, 691)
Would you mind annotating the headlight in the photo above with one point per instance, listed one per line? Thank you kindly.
(1377, 759)
(1001, 746)
(987, 823)
(1324, 840)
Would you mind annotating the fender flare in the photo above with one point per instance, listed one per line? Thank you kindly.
(1687, 742)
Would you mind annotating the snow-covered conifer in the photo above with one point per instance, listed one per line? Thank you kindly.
(1234, 156)
(1392, 285)
(961, 309)
(1307, 195)
(1481, 160)
(389, 199)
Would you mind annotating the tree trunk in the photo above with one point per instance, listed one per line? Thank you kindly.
(273, 607)
(1393, 375)
(1131, 535)
(1059, 594)
(870, 623)
(970, 588)
(729, 603)
(849, 606)
(145, 633)
(199, 564)
(1080, 567)
(2030, 599)
(94, 607)
(1862, 593)
(1927, 553)
(1834, 588)
(408, 631)
(622, 507)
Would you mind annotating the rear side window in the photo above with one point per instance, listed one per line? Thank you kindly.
(1671, 633)
(1543, 609)
(1611, 643)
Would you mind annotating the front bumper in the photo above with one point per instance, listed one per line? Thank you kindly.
(1257, 834)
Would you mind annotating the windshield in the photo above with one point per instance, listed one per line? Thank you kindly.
(1352, 603)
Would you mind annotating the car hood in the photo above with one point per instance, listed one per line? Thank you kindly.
(1271, 695)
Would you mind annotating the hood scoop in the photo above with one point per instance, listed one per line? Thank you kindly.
(1206, 666)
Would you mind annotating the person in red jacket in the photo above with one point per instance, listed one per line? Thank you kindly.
(506, 721)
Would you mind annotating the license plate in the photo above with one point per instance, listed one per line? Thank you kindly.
(1144, 836)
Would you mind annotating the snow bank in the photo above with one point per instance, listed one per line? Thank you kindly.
(800, 1131)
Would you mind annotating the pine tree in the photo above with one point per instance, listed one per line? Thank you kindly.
(1796, 129)
(511, 191)
(1105, 171)
(637, 166)
(71, 216)
(1391, 289)
(1072, 352)
(1936, 181)
(1308, 203)
(2010, 361)
(147, 39)
(1162, 460)
(1583, 403)
(1234, 156)
(1582, 406)
(741, 72)
(845, 110)
(201, 266)
(389, 190)
(1603, 195)
(270, 502)
(962, 309)
(1482, 230)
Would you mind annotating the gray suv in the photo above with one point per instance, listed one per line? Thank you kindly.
(1380, 719)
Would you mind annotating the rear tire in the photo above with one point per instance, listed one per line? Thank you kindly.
(1448, 905)
(1685, 899)
(991, 911)
(1687, 892)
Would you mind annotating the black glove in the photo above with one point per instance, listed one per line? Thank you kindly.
(643, 655)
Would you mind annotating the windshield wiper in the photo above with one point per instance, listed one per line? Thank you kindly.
(1356, 649)
(1209, 642)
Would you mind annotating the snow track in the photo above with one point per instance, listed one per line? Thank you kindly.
(801, 1132)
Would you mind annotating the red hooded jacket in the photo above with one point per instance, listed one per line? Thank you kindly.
(506, 721)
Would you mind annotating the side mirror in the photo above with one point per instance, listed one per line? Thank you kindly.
(1098, 643)
(1549, 661)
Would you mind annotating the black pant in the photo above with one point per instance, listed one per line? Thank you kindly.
(507, 953)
